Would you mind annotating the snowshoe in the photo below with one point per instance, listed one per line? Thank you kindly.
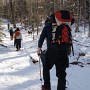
(43, 88)
(17, 50)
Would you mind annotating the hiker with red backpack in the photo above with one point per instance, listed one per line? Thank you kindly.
(58, 37)
(17, 39)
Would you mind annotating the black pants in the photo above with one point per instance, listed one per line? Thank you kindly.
(61, 74)
(17, 43)
(61, 62)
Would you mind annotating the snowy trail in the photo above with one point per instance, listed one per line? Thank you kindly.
(17, 72)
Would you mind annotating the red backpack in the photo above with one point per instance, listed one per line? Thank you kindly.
(17, 33)
(62, 36)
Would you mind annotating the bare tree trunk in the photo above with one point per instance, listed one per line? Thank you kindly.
(37, 21)
(84, 15)
(12, 13)
(61, 4)
(78, 20)
(89, 20)
(33, 30)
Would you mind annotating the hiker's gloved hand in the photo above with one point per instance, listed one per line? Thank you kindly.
(39, 51)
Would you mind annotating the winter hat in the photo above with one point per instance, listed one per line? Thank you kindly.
(17, 29)
(51, 18)
(47, 21)
(63, 16)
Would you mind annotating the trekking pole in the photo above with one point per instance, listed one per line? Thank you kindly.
(40, 71)
(22, 43)
(72, 50)
(72, 46)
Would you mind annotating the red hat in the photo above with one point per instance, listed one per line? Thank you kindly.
(63, 16)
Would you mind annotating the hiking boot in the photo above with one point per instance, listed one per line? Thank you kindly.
(43, 88)
(17, 50)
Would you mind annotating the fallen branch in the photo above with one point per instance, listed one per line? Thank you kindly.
(79, 43)
(33, 60)
(88, 63)
(3, 45)
(77, 63)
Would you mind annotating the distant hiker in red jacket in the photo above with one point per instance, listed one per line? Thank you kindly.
(17, 39)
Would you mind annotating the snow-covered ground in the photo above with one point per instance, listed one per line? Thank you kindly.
(17, 72)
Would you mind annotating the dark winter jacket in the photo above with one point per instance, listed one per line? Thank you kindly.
(53, 55)
(11, 32)
(46, 33)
